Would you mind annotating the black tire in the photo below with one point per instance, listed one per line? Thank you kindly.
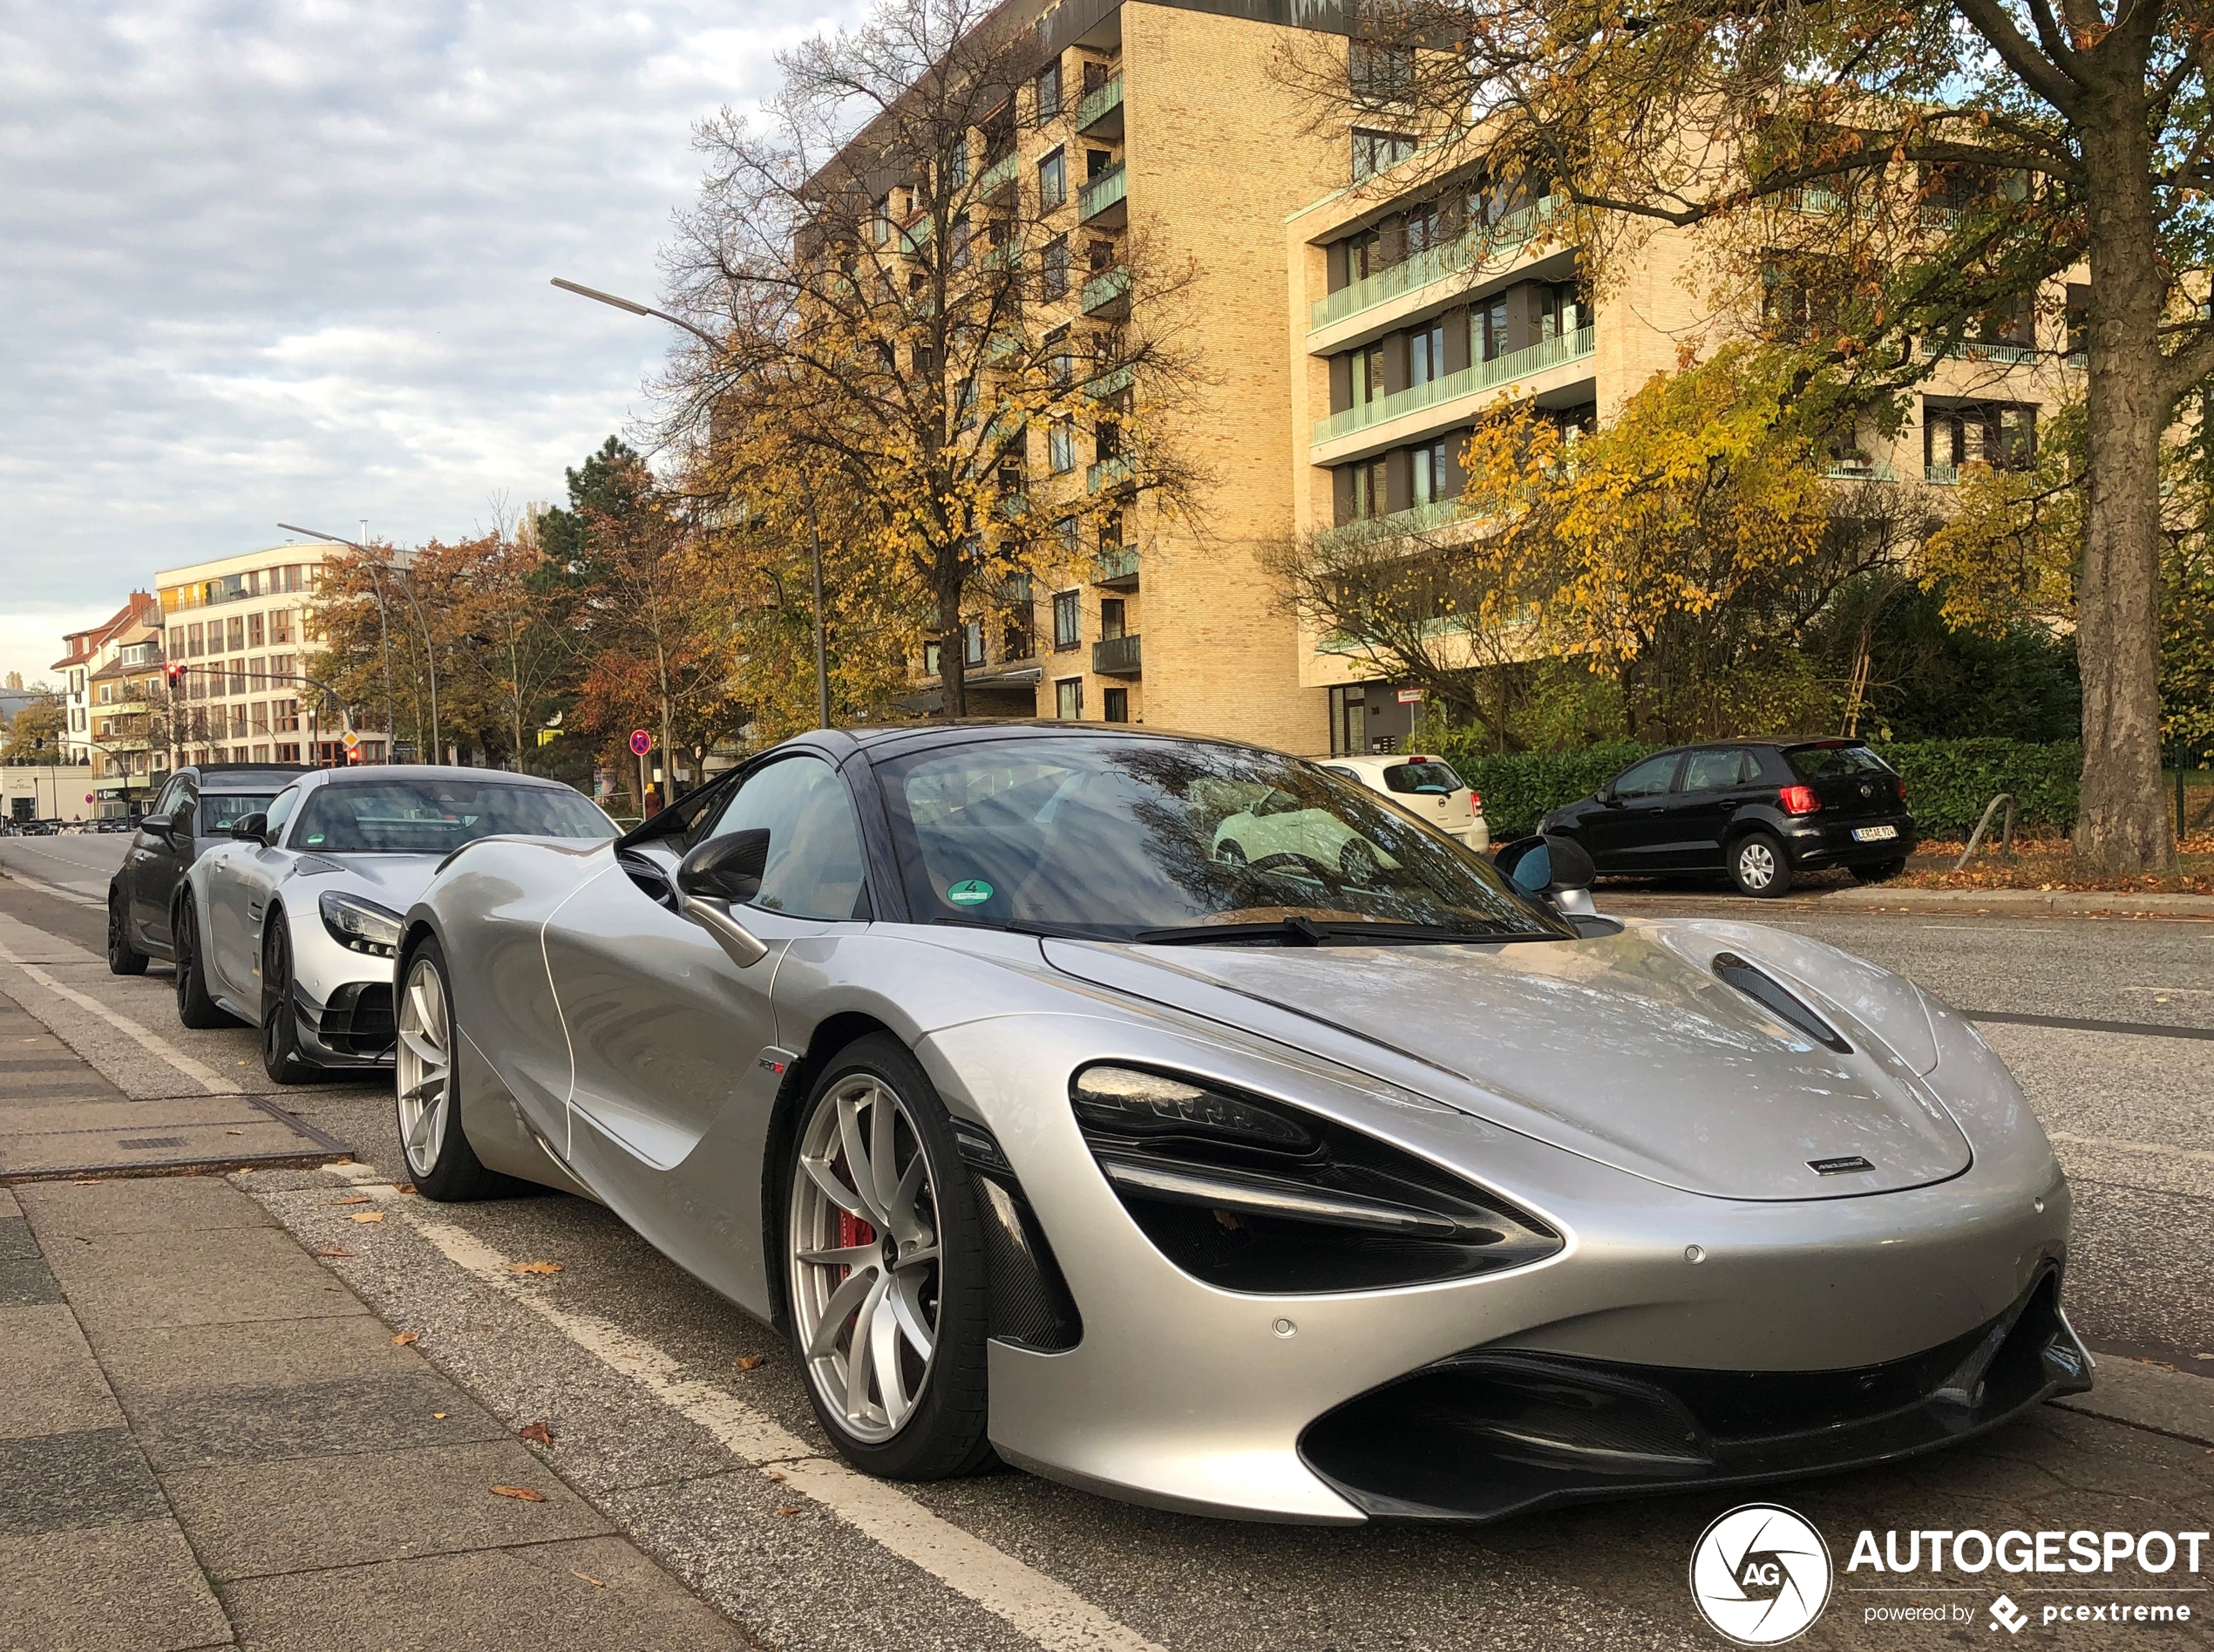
(1759, 866)
(194, 1008)
(122, 958)
(447, 1169)
(280, 1055)
(1231, 853)
(943, 1434)
(1880, 872)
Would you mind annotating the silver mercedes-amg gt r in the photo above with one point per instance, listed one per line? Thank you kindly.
(1345, 1179)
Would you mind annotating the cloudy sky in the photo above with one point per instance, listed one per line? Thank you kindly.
(265, 262)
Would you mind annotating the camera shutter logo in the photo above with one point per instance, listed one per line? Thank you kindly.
(1760, 1575)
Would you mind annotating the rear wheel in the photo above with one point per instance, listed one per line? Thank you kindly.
(1881, 871)
(444, 1165)
(886, 1270)
(280, 1056)
(1758, 868)
(194, 1008)
(122, 958)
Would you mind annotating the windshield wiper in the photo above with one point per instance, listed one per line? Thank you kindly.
(1299, 930)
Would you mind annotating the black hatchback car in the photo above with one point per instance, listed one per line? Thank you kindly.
(197, 808)
(1758, 810)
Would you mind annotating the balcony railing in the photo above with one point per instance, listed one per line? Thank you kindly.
(1850, 470)
(1421, 519)
(1480, 376)
(1107, 290)
(1943, 475)
(1973, 349)
(1492, 243)
(917, 235)
(997, 176)
(1097, 106)
(1103, 192)
(1117, 657)
(1115, 567)
(1107, 472)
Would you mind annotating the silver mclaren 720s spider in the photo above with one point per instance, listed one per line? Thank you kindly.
(1346, 1175)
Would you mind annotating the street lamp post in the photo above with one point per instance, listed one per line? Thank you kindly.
(430, 652)
(806, 483)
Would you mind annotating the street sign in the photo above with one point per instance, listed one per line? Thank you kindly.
(641, 742)
(1410, 697)
(90, 798)
(352, 739)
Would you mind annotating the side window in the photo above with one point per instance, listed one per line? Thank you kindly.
(1647, 779)
(188, 807)
(167, 801)
(1713, 771)
(280, 811)
(814, 867)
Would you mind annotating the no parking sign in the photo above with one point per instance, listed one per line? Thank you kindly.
(641, 742)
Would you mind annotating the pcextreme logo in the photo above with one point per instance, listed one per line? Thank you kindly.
(1760, 1575)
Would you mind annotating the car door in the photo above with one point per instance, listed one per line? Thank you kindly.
(1706, 792)
(1630, 825)
(239, 878)
(153, 863)
(667, 1029)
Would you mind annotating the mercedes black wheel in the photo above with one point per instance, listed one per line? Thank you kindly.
(122, 958)
(282, 1057)
(886, 1270)
(194, 1008)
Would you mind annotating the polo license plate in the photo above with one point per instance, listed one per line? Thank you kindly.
(1874, 834)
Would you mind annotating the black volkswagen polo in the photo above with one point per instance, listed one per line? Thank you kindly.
(1759, 811)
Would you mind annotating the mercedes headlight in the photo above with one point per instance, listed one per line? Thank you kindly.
(361, 925)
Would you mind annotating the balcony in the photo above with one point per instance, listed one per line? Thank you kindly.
(1480, 376)
(1857, 470)
(1421, 519)
(1942, 475)
(1101, 201)
(1972, 349)
(1117, 657)
(997, 176)
(916, 236)
(1100, 115)
(1496, 243)
(1116, 567)
(1108, 293)
(1109, 473)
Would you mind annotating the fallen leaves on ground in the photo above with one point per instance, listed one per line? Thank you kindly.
(520, 1493)
(752, 1362)
(534, 1268)
(786, 1512)
(359, 1198)
(439, 1416)
(366, 1216)
(409, 1187)
(595, 1582)
(537, 1433)
(776, 1474)
(331, 1253)
(234, 1132)
(401, 1339)
(86, 1181)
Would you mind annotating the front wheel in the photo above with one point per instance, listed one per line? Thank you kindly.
(122, 958)
(444, 1165)
(886, 1270)
(280, 1055)
(1758, 868)
(194, 1008)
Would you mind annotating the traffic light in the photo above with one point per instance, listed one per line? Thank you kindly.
(176, 675)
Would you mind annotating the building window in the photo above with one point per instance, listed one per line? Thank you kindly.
(1561, 309)
(1061, 447)
(1426, 353)
(1114, 705)
(1375, 151)
(195, 640)
(930, 662)
(1434, 477)
(279, 628)
(1053, 182)
(1488, 329)
(972, 641)
(254, 630)
(1053, 268)
(1066, 621)
(957, 165)
(2002, 435)
(238, 632)
(1069, 698)
(1017, 644)
(958, 243)
(1110, 618)
(1050, 92)
(1370, 490)
(880, 220)
(1380, 74)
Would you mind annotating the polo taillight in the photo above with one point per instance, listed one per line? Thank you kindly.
(1798, 799)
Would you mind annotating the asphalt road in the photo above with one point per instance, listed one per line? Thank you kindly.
(633, 1366)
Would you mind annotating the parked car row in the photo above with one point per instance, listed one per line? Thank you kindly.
(1080, 1054)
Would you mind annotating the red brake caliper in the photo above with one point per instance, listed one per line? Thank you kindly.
(852, 1231)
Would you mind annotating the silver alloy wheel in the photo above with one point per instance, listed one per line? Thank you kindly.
(1756, 864)
(863, 1243)
(425, 1067)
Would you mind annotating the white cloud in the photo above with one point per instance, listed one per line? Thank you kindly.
(264, 261)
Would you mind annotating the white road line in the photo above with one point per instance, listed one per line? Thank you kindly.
(1047, 1611)
(2113, 1145)
(46, 886)
(201, 1074)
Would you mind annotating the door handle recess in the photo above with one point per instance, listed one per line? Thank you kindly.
(714, 915)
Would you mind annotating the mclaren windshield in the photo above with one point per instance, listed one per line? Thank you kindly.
(427, 815)
(1178, 841)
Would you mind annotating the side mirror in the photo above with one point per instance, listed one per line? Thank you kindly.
(155, 825)
(251, 829)
(1551, 866)
(712, 876)
(1606, 795)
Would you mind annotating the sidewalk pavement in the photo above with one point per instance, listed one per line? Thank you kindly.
(206, 1440)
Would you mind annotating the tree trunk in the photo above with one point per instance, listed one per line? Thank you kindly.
(2120, 823)
(952, 643)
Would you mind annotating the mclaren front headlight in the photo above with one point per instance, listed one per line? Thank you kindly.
(362, 926)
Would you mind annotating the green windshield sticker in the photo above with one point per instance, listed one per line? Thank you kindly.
(969, 893)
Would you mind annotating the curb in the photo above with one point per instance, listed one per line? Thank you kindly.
(2147, 1396)
(2110, 902)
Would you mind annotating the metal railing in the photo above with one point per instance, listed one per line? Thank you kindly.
(1419, 519)
(1103, 192)
(997, 176)
(1107, 472)
(1845, 470)
(1112, 565)
(1097, 106)
(1942, 475)
(1479, 376)
(1106, 290)
(1117, 656)
(1503, 238)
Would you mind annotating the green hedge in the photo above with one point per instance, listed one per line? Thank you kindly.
(1948, 782)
